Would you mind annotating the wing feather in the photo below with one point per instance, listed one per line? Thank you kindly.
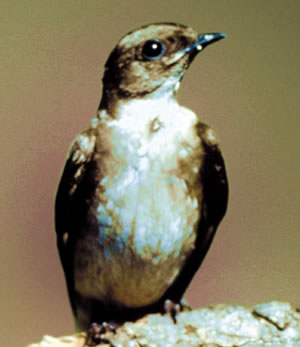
(70, 204)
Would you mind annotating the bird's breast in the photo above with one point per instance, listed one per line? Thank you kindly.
(145, 211)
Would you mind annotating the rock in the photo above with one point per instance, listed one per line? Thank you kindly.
(271, 324)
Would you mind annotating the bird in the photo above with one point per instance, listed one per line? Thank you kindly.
(144, 188)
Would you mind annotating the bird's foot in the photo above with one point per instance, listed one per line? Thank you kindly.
(97, 333)
(172, 309)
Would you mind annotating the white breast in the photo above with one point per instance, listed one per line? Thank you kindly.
(147, 217)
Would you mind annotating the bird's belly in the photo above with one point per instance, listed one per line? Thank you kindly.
(145, 229)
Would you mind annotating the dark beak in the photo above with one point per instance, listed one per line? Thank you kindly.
(204, 40)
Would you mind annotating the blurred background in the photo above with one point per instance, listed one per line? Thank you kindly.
(246, 87)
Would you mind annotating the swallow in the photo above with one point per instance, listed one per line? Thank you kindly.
(144, 188)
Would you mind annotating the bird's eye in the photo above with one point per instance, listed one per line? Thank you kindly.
(153, 49)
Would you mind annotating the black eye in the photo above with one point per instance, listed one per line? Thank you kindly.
(153, 49)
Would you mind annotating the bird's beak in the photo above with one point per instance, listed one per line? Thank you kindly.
(203, 41)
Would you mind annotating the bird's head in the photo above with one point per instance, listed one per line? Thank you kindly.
(151, 58)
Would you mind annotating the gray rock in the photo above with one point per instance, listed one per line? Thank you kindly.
(272, 324)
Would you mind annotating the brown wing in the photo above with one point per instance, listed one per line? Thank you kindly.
(71, 203)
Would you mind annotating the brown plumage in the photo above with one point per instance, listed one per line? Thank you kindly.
(144, 188)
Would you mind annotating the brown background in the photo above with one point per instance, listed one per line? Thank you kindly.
(246, 87)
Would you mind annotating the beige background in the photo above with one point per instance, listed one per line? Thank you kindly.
(246, 87)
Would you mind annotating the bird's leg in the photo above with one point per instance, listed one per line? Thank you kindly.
(172, 309)
(96, 333)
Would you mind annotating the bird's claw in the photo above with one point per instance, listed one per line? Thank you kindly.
(172, 309)
(96, 333)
